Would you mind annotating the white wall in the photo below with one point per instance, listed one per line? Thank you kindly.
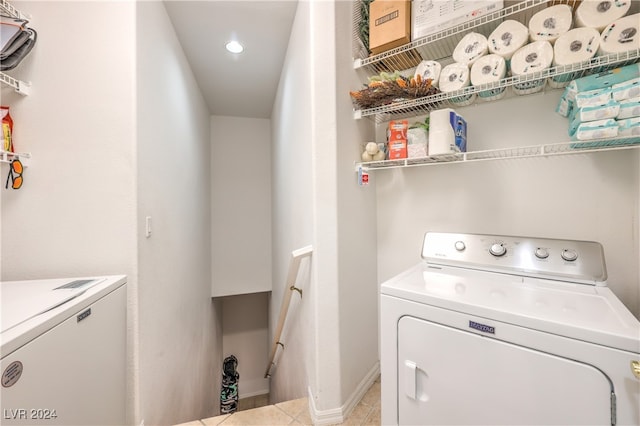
(584, 196)
(76, 212)
(245, 328)
(240, 205)
(111, 116)
(317, 200)
(180, 334)
(292, 209)
(357, 236)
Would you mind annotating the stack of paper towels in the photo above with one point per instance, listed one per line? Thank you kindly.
(550, 23)
(507, 38)
(573, 47)
(489, 69)
(555, 36)
(604, 105)
(621, 35)
(598, 13)
(455, 77)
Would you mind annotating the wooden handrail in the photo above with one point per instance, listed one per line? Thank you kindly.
(294, 266)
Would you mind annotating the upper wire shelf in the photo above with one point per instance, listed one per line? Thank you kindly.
(439, 47)
(575, 147)
(21, 87)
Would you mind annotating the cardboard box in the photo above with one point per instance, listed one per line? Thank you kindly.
(389, 24)
(431, 16)
(398, 139)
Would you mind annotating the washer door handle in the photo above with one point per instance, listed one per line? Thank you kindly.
(410, 368)
(635, 369)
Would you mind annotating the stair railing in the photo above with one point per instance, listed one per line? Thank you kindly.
(294, 266)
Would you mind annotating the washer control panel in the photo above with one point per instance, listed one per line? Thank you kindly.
(565, 260)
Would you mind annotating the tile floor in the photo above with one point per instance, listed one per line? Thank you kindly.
(254, 411)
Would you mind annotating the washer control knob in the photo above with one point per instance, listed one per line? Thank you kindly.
(498, 250)
(569, 255)
(460, 246)
(541, 253)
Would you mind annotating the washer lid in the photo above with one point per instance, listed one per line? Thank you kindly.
(31, 308)
(578, 311)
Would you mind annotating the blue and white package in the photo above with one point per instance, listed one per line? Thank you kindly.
(629, 108)
(629, 127)
(593, 97)
(598, 112)
(603, 79)
(460, 129)
(599, 129)
(565, 105)
(626, 90)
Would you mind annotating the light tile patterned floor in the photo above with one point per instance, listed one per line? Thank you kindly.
(295, 412)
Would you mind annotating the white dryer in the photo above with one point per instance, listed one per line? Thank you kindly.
(503, 330)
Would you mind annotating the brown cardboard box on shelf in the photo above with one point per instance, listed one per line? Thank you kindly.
(389, 24)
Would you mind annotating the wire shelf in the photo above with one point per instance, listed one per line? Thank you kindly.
(458, 98)
(439, 46)
(565, 148)
(19, 86)
(8, 9)
(8, 157)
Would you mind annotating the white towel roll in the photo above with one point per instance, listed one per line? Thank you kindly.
(429, 69)
(600, 13)
(489, 69)
(470, 48)
(573, 47)
(550, 23)
(454, 77)
(531, 58)
(621, 35)
(508, 37)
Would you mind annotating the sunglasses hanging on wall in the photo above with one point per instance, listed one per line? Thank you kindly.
(15, 175)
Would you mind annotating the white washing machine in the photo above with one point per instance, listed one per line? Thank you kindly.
(63, 351)
(503, 330)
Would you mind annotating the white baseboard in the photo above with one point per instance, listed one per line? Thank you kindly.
(338, 415)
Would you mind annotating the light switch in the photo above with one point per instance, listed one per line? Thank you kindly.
(147, 226)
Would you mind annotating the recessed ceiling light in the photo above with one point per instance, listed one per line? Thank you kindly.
(234, 47)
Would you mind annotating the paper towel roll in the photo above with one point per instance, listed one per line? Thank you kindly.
(508, 37)
(531, 58)
(489, 69)
(550, 23)
(573, 47)
(429, 69)
(454, 77)
(470, 48)
(621, 35)
(600, 13)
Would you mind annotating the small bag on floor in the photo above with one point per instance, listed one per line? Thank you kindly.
(229, 391)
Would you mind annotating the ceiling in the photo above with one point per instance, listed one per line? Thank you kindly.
(240, 85)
